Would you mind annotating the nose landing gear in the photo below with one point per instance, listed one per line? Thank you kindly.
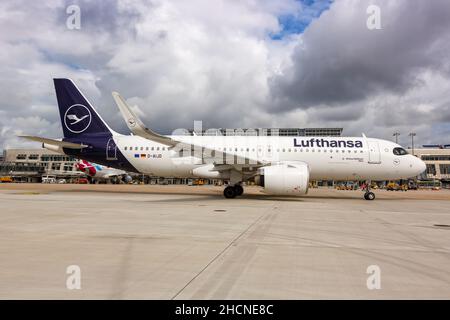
(369, 195)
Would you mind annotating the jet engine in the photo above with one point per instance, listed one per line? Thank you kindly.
(127, 178)
(284, 178)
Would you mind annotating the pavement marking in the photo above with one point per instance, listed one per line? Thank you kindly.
(254, 223)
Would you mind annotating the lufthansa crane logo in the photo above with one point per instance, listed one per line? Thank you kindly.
(132, 122)
(77, 118)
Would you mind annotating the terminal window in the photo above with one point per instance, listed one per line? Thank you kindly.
(444, 168)
(436, 157)
(56, 166)
(431, 169)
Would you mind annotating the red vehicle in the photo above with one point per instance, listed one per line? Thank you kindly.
(82, 181)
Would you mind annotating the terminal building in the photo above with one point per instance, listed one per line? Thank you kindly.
(437, 161)
(30, 165)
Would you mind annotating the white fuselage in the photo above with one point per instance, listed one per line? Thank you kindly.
(332, 158)
(103, 172)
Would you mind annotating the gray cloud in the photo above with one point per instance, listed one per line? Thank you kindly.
(340, 60)
(182, 61)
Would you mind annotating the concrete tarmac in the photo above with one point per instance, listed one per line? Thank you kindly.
(188, 242)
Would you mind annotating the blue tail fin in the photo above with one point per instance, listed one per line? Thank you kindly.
(78, 116)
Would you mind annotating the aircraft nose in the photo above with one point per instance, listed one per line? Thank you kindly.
(420, 166)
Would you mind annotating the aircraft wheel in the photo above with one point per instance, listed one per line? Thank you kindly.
(239, 190)
(229, 192)
(369, 196)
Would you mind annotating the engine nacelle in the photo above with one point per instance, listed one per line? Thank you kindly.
(127, 178)
(285, 178)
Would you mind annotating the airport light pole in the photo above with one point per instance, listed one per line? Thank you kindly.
(412, 135)
(396, 134)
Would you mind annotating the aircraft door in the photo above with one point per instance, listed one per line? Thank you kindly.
(111, 150)
(374, 152)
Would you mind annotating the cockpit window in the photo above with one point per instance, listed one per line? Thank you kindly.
(399, 151)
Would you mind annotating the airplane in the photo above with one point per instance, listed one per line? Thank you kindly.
(102, 173)
(281, 165)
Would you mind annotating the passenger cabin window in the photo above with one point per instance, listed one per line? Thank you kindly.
(399, 151)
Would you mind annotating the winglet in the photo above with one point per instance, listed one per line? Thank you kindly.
(135, 124)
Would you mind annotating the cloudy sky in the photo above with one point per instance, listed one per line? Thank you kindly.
(231, 64)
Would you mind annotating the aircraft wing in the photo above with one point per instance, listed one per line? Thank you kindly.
(138, 128)
(63, 144)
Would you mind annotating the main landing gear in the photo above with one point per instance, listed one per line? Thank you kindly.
(369, 195)
(233, 191)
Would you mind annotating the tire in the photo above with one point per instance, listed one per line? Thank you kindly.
(239, 190)
(229, 192)
(369, 196)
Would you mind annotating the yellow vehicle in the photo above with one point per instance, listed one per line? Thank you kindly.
(392, 186)
(198, 182)
(6, 179)
(313, 184)
(340, 187)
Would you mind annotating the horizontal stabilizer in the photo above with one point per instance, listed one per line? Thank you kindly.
(63, 144)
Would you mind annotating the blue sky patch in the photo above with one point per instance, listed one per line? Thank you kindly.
(297, 22)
